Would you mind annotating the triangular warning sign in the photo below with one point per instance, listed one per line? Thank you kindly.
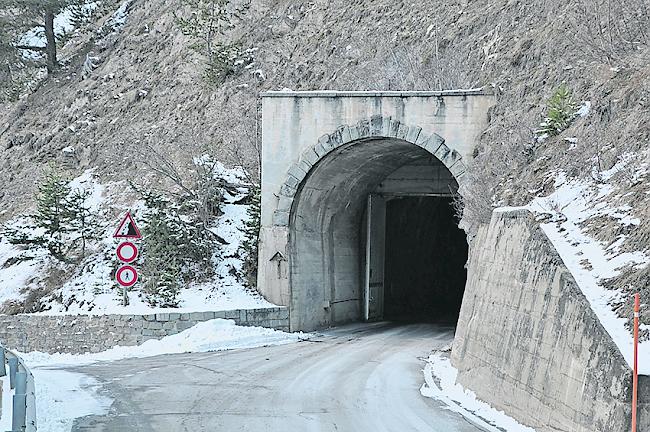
(127, 228)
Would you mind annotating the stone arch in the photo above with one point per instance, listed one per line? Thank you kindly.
(321, 205)
(375, 127)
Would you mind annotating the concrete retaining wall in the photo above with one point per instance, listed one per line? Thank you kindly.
(528, 342)
(94, 333)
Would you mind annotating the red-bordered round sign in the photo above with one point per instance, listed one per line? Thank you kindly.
(127, 252)
(126, 276)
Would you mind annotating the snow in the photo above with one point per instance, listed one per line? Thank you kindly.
(584, 109)
(7, 400)
(118, 19)
(213, 335)
(440, 384)
(590, 261)
(25, 266)
(22, 269)
(88, 182)
(63, 396)
(90, 287)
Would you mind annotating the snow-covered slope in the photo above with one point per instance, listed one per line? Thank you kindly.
(566, 216)
(90, 287)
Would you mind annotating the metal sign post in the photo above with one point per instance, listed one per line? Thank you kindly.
(635, 376)
(127, 252)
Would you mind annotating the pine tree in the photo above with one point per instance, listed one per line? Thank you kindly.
(81, 220)
(62, 219)
(27, 14)
(52, 213)
(206, 25)
(176, 248)
(561, 109)
(251, 237)
(168, 286)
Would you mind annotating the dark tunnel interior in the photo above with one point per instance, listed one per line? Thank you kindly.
(425, 257)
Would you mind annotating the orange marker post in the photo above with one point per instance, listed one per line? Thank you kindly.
(635, 376)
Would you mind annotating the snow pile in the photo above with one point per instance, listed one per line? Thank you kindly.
(18, 268)
(63, 396)
(591, 262)
(207, 336)
(6, 402)
(440, 384)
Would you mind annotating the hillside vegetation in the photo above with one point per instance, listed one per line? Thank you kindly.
(146, 89)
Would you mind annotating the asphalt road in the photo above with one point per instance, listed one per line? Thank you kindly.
(351, 379)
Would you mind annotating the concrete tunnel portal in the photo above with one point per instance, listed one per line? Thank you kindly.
(373, 235)
(357, 215)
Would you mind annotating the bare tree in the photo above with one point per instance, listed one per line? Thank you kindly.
(612, 29)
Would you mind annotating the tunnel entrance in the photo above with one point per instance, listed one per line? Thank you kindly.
(372, 236)
(425, 273)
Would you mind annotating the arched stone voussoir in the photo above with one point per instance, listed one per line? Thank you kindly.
(376, 126)
(310, 156)
(458, 169)
(413, 134)
(430, 143)
(447, 156)
(296, 172)
(362, 128)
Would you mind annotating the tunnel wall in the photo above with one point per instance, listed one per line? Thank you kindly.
(293, 122)
(300, 129)
(419, 178)
(527, 340)
(326, 245)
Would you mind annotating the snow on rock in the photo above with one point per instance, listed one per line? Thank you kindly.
(118, 19)
(584, 109)
(590, 261)
(440, 384)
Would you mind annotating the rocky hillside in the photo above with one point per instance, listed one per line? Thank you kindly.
(146, 90)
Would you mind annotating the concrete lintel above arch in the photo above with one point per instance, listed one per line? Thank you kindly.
(352, 141)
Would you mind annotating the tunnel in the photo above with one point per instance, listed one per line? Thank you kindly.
(373, 236)
(425, 260)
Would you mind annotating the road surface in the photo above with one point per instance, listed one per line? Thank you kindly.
(364, 377)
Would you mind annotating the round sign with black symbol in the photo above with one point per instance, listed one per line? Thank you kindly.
(126, 276)
(127, 252)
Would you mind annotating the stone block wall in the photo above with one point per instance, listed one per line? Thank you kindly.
(528, 342)
(94, 333)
